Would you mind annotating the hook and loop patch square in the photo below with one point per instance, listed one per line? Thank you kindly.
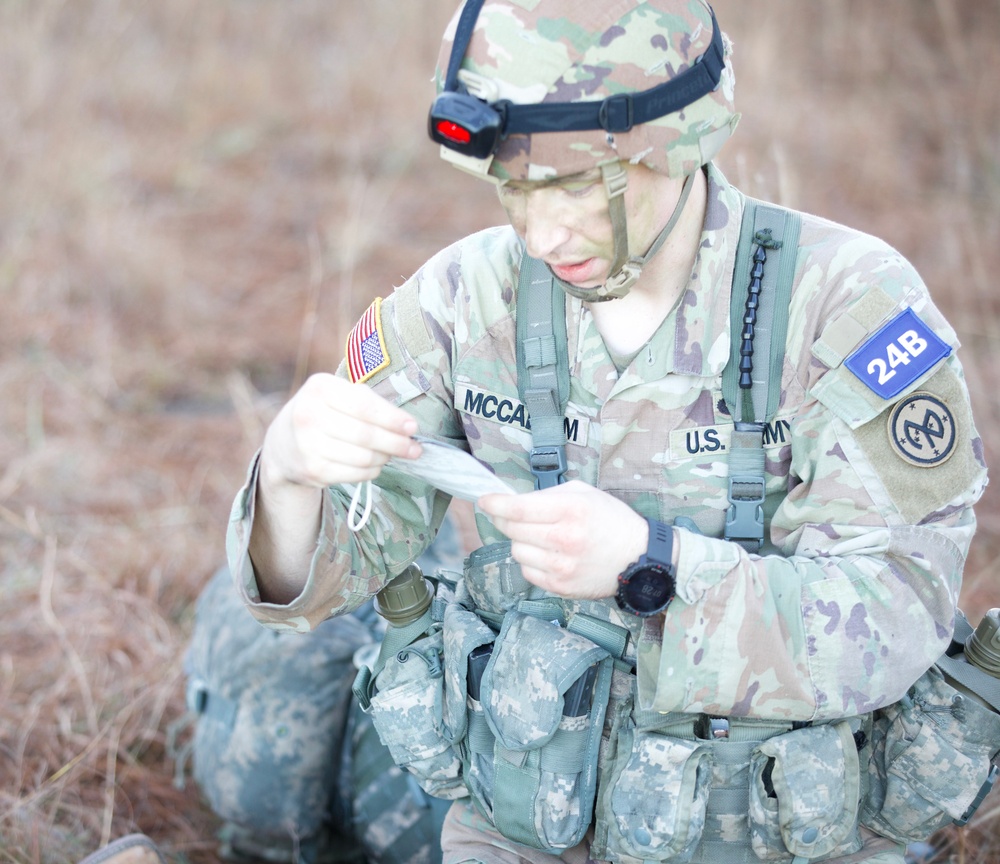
(897, 355)
(366, 351)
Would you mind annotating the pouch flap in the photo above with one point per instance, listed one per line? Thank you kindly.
(463, 632)
(954, 738)
(817, 778)
(493, 579)
(533, 665)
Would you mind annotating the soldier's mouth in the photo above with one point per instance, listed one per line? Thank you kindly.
(578, 272)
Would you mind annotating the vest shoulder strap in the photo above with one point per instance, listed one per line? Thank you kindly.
(751, 382)
(763, 274)
(543, 368)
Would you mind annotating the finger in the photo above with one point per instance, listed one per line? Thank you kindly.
(343, 430)
(363, 403)
(528, 507)
(316, 422)
(538, 534)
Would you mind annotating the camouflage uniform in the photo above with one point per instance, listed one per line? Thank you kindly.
(853, 596)
(857, 593)
(868, 508)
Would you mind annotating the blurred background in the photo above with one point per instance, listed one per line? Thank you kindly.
(197, 199)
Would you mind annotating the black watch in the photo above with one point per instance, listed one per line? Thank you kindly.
(647, 586)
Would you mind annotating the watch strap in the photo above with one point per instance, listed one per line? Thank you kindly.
(660, 548)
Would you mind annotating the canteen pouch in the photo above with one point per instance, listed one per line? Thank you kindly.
(804, 791)
(533, 736)
(653, 800)
(407, 710)
(931, 758)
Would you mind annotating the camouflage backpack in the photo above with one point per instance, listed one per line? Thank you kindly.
(281, 752)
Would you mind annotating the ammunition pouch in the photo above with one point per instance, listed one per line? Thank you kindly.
(761, 791)
(524, 703)
(931, 762)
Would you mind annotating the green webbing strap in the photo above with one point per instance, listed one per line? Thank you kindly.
(543, 368)
(751, 382)
(984, 685)
(395, 640)
(610, 637)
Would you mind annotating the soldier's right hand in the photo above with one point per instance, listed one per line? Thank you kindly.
(332, 431)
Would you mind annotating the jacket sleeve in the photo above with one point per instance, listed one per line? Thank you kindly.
(855, 594)
(419, 328)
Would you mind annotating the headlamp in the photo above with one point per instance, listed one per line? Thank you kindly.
(465, 124)
(472, 127)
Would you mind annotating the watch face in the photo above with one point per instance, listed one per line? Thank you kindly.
(649, 590)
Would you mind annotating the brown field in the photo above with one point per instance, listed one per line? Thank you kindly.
(196, 201)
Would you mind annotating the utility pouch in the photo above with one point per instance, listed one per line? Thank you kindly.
(493, 580)
(804, 791)
(535, 717)
(407, 710)
(654, 796)
(468, 647)
(931, 759)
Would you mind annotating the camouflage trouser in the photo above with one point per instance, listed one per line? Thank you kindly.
(467, 837)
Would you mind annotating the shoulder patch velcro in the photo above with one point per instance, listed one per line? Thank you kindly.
(897, 354)
(366, 352)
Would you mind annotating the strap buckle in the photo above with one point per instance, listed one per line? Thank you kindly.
(548, 464)
(718, 728)
(991, 779)
(745, 517)
(617, 113)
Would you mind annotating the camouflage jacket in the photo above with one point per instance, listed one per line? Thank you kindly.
(869, 510)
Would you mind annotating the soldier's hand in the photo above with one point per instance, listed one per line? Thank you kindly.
(572, 540)
(333, 431)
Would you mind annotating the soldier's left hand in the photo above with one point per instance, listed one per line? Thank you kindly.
(571, 540)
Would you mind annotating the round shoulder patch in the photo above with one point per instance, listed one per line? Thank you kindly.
(922, 430)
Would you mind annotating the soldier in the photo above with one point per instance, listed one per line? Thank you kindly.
(741, 517)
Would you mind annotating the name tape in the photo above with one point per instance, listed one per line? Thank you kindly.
(512, 412)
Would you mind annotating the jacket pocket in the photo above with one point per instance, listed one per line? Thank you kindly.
(804, 792)
(407, 710)
(655, 796)
(931, 757)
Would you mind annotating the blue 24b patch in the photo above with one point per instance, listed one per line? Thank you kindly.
(897, 355)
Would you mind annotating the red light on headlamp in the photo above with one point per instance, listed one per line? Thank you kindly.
(453, 132)
(465, 124)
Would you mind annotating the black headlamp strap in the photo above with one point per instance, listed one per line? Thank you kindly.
(463, 33)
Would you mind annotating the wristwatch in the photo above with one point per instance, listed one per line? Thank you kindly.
(647, 586)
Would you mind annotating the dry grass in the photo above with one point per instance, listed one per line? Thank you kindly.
(199, 198)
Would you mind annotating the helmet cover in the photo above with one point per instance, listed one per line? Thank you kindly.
(535, 51)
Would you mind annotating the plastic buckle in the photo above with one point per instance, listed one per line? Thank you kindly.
(991, 779)
(618, 284)
(616, 113)
(548, 464)
(745, 517)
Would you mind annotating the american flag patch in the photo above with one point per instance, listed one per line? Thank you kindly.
(366, 351)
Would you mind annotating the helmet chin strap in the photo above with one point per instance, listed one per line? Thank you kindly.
(625, 269)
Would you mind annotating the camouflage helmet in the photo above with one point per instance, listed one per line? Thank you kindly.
(609, 54)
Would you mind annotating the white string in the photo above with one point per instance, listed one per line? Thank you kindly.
(352, 522)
